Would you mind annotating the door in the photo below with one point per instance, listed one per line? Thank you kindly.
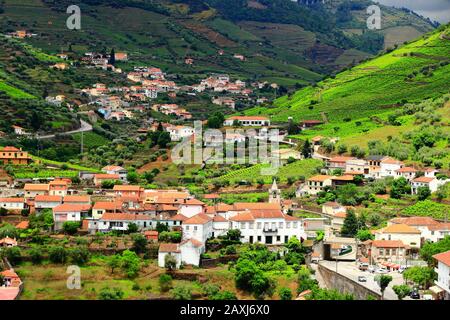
(268, 239)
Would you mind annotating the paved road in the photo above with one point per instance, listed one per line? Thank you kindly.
(350, 270)
(84, 128)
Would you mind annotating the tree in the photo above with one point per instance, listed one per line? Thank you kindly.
(71, 227)
(80, 255)
(251, 278)
(422, 276)
(342, 148)
(132, 177)
(114, 262)
(181, 292)
(13, 254)
(306, 149)
(215, 121)
(130, 263)
(139, 243)
(3, 212)
(383, 282)
(8, 230)
(429, 249)
(423, 193)
(401, 291)
(285, 294)
(304, 280)
(350, 227)
(170, 262)
(35, 255)
(364, 235)
(58, 254)
(234, 235)
(112, 57)
(224, 295)
(111, 294)
(165, 282)
(163, 139)
(132, 227)
(399, 187)
(161, 227)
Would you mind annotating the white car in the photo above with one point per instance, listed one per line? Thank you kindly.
(382, 270)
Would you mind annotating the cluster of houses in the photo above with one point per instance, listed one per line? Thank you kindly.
(103, 60)
(373, 167)
(173, 110)
(20, 34)
(125, 204)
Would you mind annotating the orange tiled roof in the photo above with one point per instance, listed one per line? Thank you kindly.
(388, 244)
(108, 205)
(200, 218)
(45, 198)
(443, 257)
(406, 169)
(319, 178)
(415, 221)
(239, 206)
(106, 176)
(178, 217)
(195, 242)
(341, 159)
(67, 207)
(36, 187)
(423, 179)
(219, 218)
(22, 225)
(128, 188)
(169, 247)
(9, 200)
(399, 228)
(77, 199)
(124, 216)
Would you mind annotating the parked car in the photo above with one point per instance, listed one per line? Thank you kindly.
(382, 270)
(363, 266)
(414, 294)
(362, 279)
(371, 269)
(402, 268)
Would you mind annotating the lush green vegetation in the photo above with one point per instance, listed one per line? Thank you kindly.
(427, 208)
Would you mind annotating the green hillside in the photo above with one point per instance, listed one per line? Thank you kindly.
(283, 41)
(411, 73)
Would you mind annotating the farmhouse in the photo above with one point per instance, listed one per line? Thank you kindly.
(198, 227)
(14, 156)
(410, 236)
(13, 204)
(247, 121)
(116, 170)
(47, 202)
(69, 212)
(33, 190)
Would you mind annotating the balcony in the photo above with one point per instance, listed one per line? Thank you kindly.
(270, 230)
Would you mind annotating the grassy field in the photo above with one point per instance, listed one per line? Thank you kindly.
(91, 139)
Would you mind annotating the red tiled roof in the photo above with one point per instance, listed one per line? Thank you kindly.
(388, 244)
(22, 225)
(108, 205)
(67, 207)
(77, 199)
(443, 257)
(341, 159)
(178, 217)
(406, 169)
(195, 242)
(423, 179)
(415, 221)
(200, 218)
(106, 176)
(219, 218)
(169, 247)
(21, 200)
(45, 198)
(112, 168)
(240, 206)
(124, 216)
(36, 187)
(127, 188)
(319, 178)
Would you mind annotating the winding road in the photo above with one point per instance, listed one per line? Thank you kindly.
(84, 128)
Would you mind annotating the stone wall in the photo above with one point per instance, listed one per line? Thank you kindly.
(343, 284)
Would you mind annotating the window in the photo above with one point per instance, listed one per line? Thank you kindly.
(187, 227)
(294, 225)
(274, 225)
(280, 225)
(259, 238)
(195, 228)
(278, 238)
(258, 225)
(242, 225)
(251, 225)
(288, 225)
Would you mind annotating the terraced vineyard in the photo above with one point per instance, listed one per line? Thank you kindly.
(303, 168)
(418, 70)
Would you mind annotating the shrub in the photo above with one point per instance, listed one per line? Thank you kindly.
(13, 254)
(165, 282)
(35, 255)
(71, 227)
(58, 254)
(285, 294)
(181, 292)
(80, 255)
(111, 294)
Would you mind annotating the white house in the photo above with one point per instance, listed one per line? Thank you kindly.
(177, 133)
(247, 121)
(121, 221)
(116, 170)
(315, 184)
(431, 183)
(410, 236)
(436, 232)
(47, 202)
(191, 207)
(357, 166)
(332, 208)
(187, 252)
(198, 227)
(69, 212)
(32, 190)
(443, 271)
(12, 203)
(220, 226)
(267, 226)
(408, 173)
(389, 166)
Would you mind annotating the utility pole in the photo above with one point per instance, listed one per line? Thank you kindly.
(82, 141)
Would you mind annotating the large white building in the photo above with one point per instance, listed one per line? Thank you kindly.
(198, 227)
(187, 252)
(443, 271)
(267, 226)
(410, 236)
(247, 121)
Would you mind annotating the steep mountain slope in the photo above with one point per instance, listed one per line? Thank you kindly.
(413, 72)
(283, 41)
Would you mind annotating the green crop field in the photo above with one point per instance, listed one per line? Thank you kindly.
(91, 139)
(428, 208)
(304, 168)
